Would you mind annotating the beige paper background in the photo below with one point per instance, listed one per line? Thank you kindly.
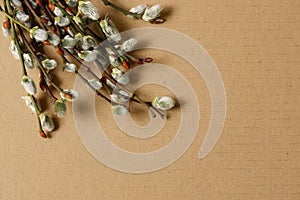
(256, 47)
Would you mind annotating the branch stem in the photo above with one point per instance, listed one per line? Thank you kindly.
(96, 91)
(122, 10)
(24, 72)
(35, 15)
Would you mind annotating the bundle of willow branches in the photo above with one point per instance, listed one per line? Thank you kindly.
(69, 27)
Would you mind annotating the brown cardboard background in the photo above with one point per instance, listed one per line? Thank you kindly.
(256, 47)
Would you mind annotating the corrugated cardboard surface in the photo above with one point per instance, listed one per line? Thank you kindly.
(255, 45)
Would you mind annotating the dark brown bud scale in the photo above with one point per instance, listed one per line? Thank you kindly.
(6, 24)
(39, 2)
(44, 20)
(158, 21)
(69, 96)
(139, 61)
(42, 86)
(56, 31)
(59, 51)
(47, 42)
(148, 60)
(43, 135)
(69, 11)
(125, 64)
(51, 6)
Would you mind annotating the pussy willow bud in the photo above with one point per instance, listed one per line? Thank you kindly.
(49, 64)
(89, 56)
(114, 61)
(139, 9)
(16, 3)
(14, 50)
(95, 84)
(61, 21)
(27, 60)
(72, 3)
(89, 41)
(79, 39)
(152, 13)
(21, 16)
(53, 39)
(60, 108)
(163, 103)
(69, 67)
(110, 30)
(87, 9)
(68, 42)
(128, 45)
(30, 104)
(119, 110)
(57, 11)
(38, 34)
(46, 122)
(111, 85)
(33, 4)
(28, 85)
(120, 76)
(121, 97)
